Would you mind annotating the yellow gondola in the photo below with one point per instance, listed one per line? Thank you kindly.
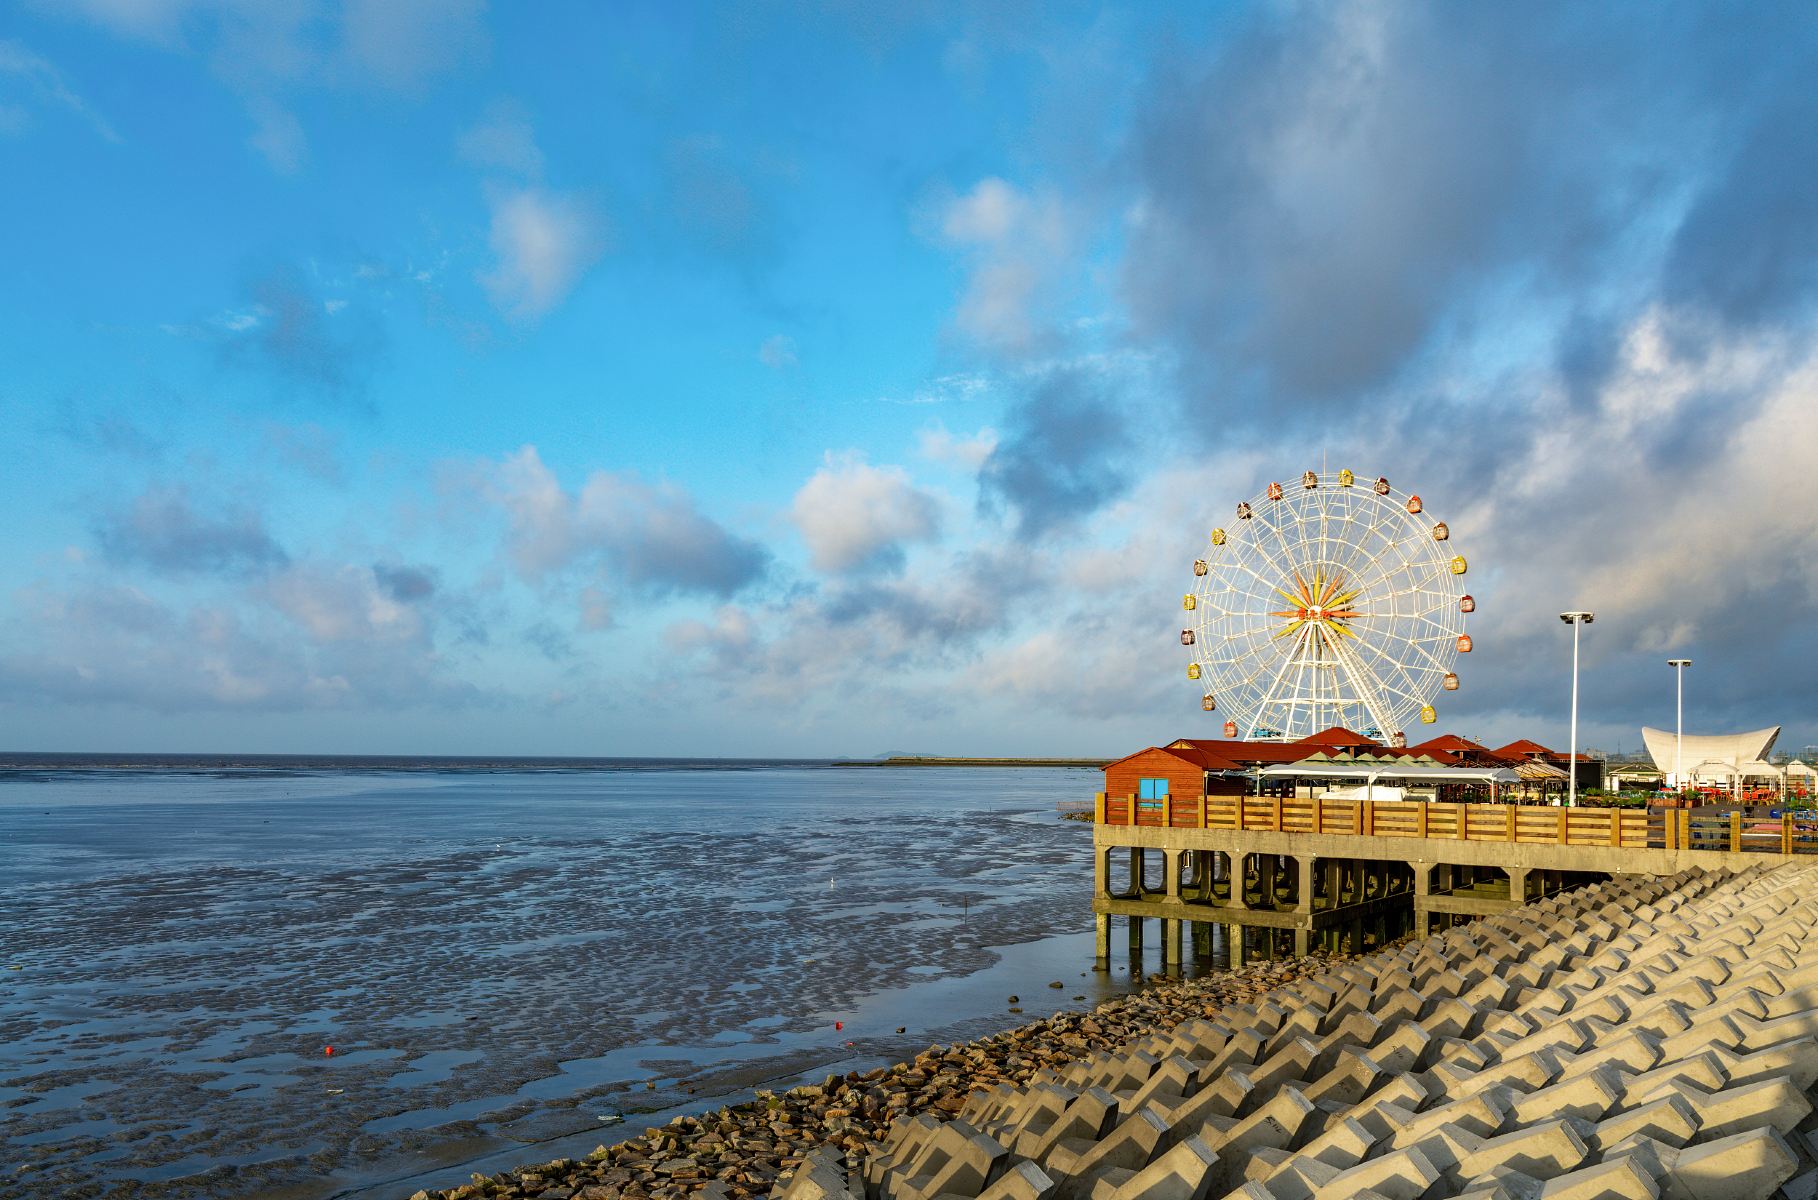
(1428, 716)
(1189, 602)
(1458, 565)
(1218, 535)
(1345, 478)
(1192, 670)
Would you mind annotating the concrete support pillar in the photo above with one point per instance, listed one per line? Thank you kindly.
(1171, 874)
(1171, 943)
(1305, 866)
(1423, 889)
(1302, 941)
(1234, 938)
(1136, 933)
(1236, 868)
(1101, 944)
(1101, 873)
(1136, 870)
(1518, 884)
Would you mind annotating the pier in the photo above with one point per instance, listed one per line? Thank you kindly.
(1277, 875)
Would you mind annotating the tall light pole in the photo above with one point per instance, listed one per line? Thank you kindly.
(1679, 665)
(1574, 619)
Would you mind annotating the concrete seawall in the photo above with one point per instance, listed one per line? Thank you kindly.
(1638, 1037)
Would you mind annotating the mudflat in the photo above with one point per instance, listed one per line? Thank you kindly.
(502, 961)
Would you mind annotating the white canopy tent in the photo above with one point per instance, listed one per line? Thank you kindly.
(1710, 757)
(1370, 772)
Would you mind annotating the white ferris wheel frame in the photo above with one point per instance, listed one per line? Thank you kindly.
(1276, 678)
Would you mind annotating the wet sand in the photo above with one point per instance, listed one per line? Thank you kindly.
(499, 963)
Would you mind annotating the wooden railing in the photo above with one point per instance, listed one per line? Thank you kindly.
(1551, 825)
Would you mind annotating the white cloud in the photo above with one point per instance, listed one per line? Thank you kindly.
(268, 53)
(651, 536)
(596, 609)
(777, 352)
(278, 136)
(403, 44)
(1019, 242)
(503, 141)
(967, 452)
(990, 212)
(854, 515)
(543, 242)
(959, 388)
(343, 604)
(42, 82)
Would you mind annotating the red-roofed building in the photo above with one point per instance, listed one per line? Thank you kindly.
(1589, 771)
(1340, 738)
(1457, 751)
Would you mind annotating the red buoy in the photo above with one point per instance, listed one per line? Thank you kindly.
(839, 1024)
(328, 1051)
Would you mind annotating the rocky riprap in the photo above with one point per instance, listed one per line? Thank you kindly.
(751, 1149)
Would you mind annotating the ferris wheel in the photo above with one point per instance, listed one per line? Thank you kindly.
(1327, 602)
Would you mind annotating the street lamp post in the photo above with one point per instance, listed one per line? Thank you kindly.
(1574, 619)
(1679, 665)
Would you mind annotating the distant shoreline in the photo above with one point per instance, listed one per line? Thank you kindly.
(920, 761)
(19, 763)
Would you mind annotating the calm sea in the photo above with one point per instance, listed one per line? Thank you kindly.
(512, 961)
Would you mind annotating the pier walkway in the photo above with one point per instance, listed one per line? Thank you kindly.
(1282, 875)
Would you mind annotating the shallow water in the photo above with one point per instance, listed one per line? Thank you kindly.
(504, 962)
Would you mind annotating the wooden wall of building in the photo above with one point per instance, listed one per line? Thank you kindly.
(1184, 778)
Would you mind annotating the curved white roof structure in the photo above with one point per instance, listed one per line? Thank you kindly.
(1710, 755)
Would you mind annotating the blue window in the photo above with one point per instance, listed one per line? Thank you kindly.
(1152, 789)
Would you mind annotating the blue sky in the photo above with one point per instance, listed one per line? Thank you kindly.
(806, 379)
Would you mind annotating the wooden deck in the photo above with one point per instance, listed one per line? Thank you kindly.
(1526, 824)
